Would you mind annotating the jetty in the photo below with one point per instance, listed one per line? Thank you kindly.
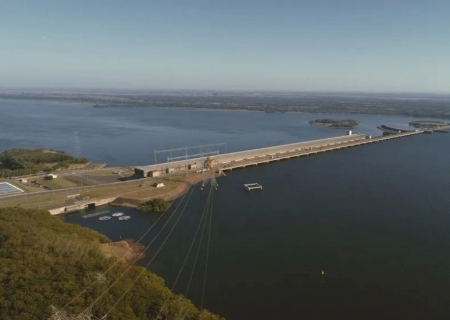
(95, 214)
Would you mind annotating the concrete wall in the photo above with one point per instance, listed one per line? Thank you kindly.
(80, 206)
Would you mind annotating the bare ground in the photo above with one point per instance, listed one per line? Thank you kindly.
(182, 188)
(125, 250)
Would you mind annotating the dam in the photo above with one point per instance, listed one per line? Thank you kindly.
(242, 159)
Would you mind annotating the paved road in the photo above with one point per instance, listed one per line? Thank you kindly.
(317, 149)
(71, 190)
(261, 152)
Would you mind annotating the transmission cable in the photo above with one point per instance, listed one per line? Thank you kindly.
(184, 315)
(148, 264)
(196, 257)
(118, 260)
(188, 253)
(207, 253)
(193, 241)
(146, 248)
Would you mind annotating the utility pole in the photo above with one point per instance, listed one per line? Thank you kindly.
(185, 162)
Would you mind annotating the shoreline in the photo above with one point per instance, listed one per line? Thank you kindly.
(128, 250)
(172, 195)
(311, 110)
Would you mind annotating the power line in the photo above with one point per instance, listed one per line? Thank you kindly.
(146, 248)
(148, 264)
(62, 315)
(189, 251)
(118, 260)
(207, 254)
(210, 216)
(198, 251)
(192, 243)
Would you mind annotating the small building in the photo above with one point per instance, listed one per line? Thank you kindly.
(153, 174)
(349, 132)
(140, 172)
(170, 170)
(23, 180)
(192, 166)
(50, 176)
(159, 185)
(144, 172)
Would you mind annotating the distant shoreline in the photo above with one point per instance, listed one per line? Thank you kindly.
(266, 104)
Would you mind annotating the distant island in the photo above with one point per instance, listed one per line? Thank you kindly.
(428, 124)
(15, 162)
(331, 123)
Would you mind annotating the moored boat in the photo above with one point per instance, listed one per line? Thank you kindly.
(118, 214)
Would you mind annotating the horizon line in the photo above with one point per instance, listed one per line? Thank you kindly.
(224, 90)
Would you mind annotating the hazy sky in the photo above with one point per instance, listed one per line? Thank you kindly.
(368, 45)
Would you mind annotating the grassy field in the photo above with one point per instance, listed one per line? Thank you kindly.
(145, 193)
(57, 183)
(22, 186)
(108, 171)
(48, 199)
(35, 202)
(130, 191)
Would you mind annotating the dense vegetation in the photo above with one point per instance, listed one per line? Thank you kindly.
(16, 162)
(413, 105)
(349, 123)
(428, 124)
(44, 261)
(155, 205)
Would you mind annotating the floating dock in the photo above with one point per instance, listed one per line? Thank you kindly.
(252, 186)
(95, 214)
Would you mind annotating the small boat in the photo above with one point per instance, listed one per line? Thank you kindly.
(118, 214)
(124, 218)
(104, 218)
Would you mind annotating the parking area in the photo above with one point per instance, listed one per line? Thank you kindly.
(7, 188)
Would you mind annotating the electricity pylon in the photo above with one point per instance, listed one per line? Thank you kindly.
(62, 315)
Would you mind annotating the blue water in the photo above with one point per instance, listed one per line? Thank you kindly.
(375, 219)
(128, 136)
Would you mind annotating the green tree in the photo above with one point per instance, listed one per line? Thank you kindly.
(44, 261)
(155, 205)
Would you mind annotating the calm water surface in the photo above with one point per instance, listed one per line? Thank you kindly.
(375, 218)
(128, 136)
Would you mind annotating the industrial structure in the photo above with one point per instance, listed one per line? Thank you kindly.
(217, 161)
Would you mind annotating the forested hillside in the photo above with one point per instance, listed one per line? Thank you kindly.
(44, 261)
(29, 161)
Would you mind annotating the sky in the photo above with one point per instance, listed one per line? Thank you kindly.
(311, 45)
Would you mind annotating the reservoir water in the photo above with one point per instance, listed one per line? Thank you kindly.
(128, 136)
(361, 233)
